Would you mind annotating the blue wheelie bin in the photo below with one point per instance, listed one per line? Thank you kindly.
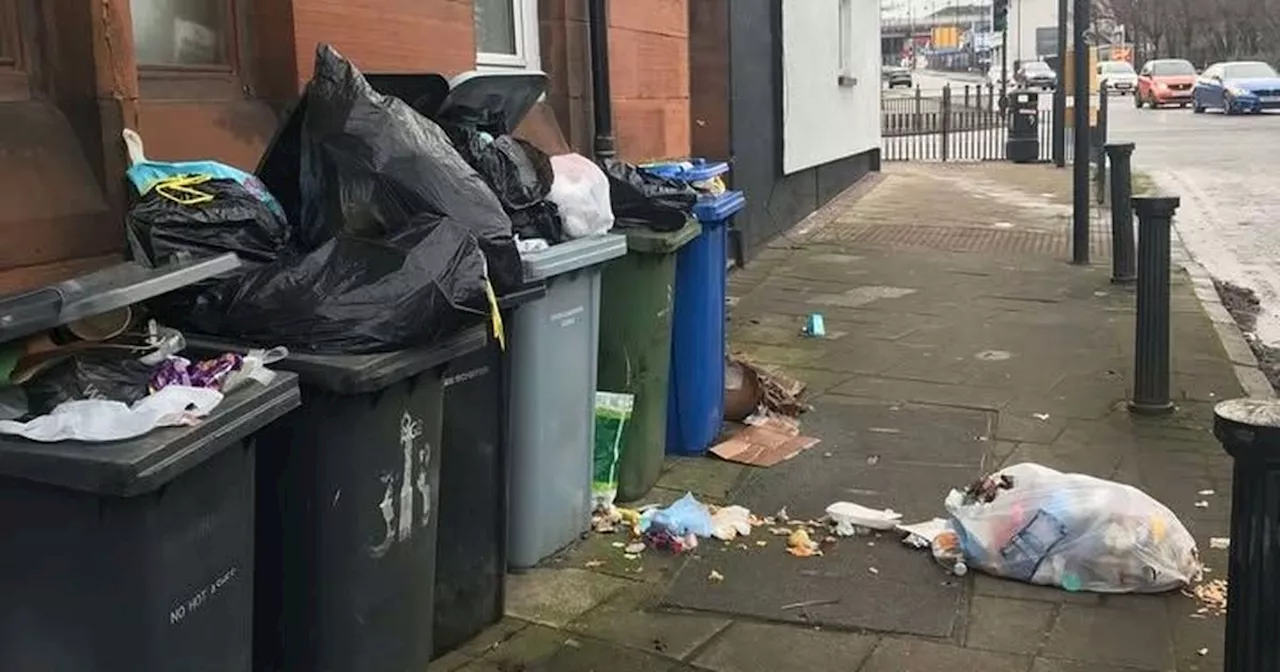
(695, 406)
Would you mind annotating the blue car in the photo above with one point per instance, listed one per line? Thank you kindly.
(1240, 87)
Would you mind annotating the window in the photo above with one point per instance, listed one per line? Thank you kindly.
(189, 48)
(14, 83)
(507, 34)
(183, 33)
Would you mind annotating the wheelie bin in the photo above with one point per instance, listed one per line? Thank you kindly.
(635, 347)
(136, 554)
(471, 547)
(475, 458)
(348, 493)
(553, 359)
(695, 408)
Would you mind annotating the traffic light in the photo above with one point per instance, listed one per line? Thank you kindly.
(999, 15)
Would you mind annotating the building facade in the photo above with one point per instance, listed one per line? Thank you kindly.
(209, 79)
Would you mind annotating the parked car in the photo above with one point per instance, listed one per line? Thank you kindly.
(1236, 88)
(1117, 77)
(896, 75)
(1036, 75)
(1165, 81)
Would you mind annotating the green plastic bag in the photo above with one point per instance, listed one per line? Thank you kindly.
(613, 412)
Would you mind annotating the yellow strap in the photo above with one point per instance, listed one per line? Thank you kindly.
(495, 316)
(181, 189)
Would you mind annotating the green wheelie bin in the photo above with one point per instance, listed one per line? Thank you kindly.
(635, 347)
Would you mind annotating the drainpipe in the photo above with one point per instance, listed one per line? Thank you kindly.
(602, 103)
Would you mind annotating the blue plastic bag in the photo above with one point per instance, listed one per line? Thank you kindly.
(685, 516)
(145, 175)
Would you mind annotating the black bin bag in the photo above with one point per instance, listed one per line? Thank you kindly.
(351, 160)
(358, 294)
(202, 219)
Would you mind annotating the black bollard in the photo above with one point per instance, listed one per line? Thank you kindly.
(1249, 430)
(1151, 345)
(1122, 245)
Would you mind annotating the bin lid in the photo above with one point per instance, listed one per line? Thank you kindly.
(530, 292)
(101, 291)
(697, 170)
(648, 241)
(509, 95)
(141, 465)
(572, 255)
(357, 374)
(717, 209)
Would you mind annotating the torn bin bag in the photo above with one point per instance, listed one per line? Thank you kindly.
(370, 164)
(356, 295)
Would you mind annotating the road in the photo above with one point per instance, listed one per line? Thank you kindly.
(1227, 173)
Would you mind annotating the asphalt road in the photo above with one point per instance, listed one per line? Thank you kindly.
(1227, 173)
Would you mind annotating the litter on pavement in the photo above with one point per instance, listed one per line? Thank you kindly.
(1035, 524)
(847, 516)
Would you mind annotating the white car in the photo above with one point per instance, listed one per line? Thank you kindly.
(1118, 77)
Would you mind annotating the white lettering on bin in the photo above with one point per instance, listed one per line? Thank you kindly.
(202, 597)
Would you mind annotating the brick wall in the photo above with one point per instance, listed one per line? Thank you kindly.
(649, 74)
(388, 35)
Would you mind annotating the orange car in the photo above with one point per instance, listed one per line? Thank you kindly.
(1167, 81)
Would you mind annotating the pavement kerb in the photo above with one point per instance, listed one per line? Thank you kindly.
(1248, 373)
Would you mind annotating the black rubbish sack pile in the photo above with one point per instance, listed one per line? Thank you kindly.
(391, 238)
(203, 218)
(519, 173)
(644, 200)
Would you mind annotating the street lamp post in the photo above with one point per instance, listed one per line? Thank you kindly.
(1081, 97)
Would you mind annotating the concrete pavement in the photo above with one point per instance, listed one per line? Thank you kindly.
(954, 319)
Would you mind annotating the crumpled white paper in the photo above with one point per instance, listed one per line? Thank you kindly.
(98, 420)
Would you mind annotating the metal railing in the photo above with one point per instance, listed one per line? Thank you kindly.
(960, 123)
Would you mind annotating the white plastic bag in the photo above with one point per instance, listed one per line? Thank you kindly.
(1074, 531)
(581, 192)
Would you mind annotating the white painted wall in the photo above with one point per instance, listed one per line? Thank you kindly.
(823, 121)
(1024, 17)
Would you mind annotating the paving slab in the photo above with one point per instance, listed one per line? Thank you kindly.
(907, 655)
(1009, 626)
(1112, 635)
(750, 647)
(554, 597)
(629, 619)
(902, 457)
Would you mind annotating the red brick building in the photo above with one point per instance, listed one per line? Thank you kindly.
(210, 78)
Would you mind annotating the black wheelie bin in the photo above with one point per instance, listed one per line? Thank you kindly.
(133, 555)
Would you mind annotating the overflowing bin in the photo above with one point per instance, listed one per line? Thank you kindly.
(137, 554)
(348, 494)
(553, 359)
(635, 347)
(695, 409)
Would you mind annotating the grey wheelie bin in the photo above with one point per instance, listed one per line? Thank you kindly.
(553, 360)
(130, 555)
(348, 492)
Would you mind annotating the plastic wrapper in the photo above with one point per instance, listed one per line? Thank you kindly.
(613, 412)
(641, 199)
(367, 165)
(1032, 523)
(356, 295)
(581, 192)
